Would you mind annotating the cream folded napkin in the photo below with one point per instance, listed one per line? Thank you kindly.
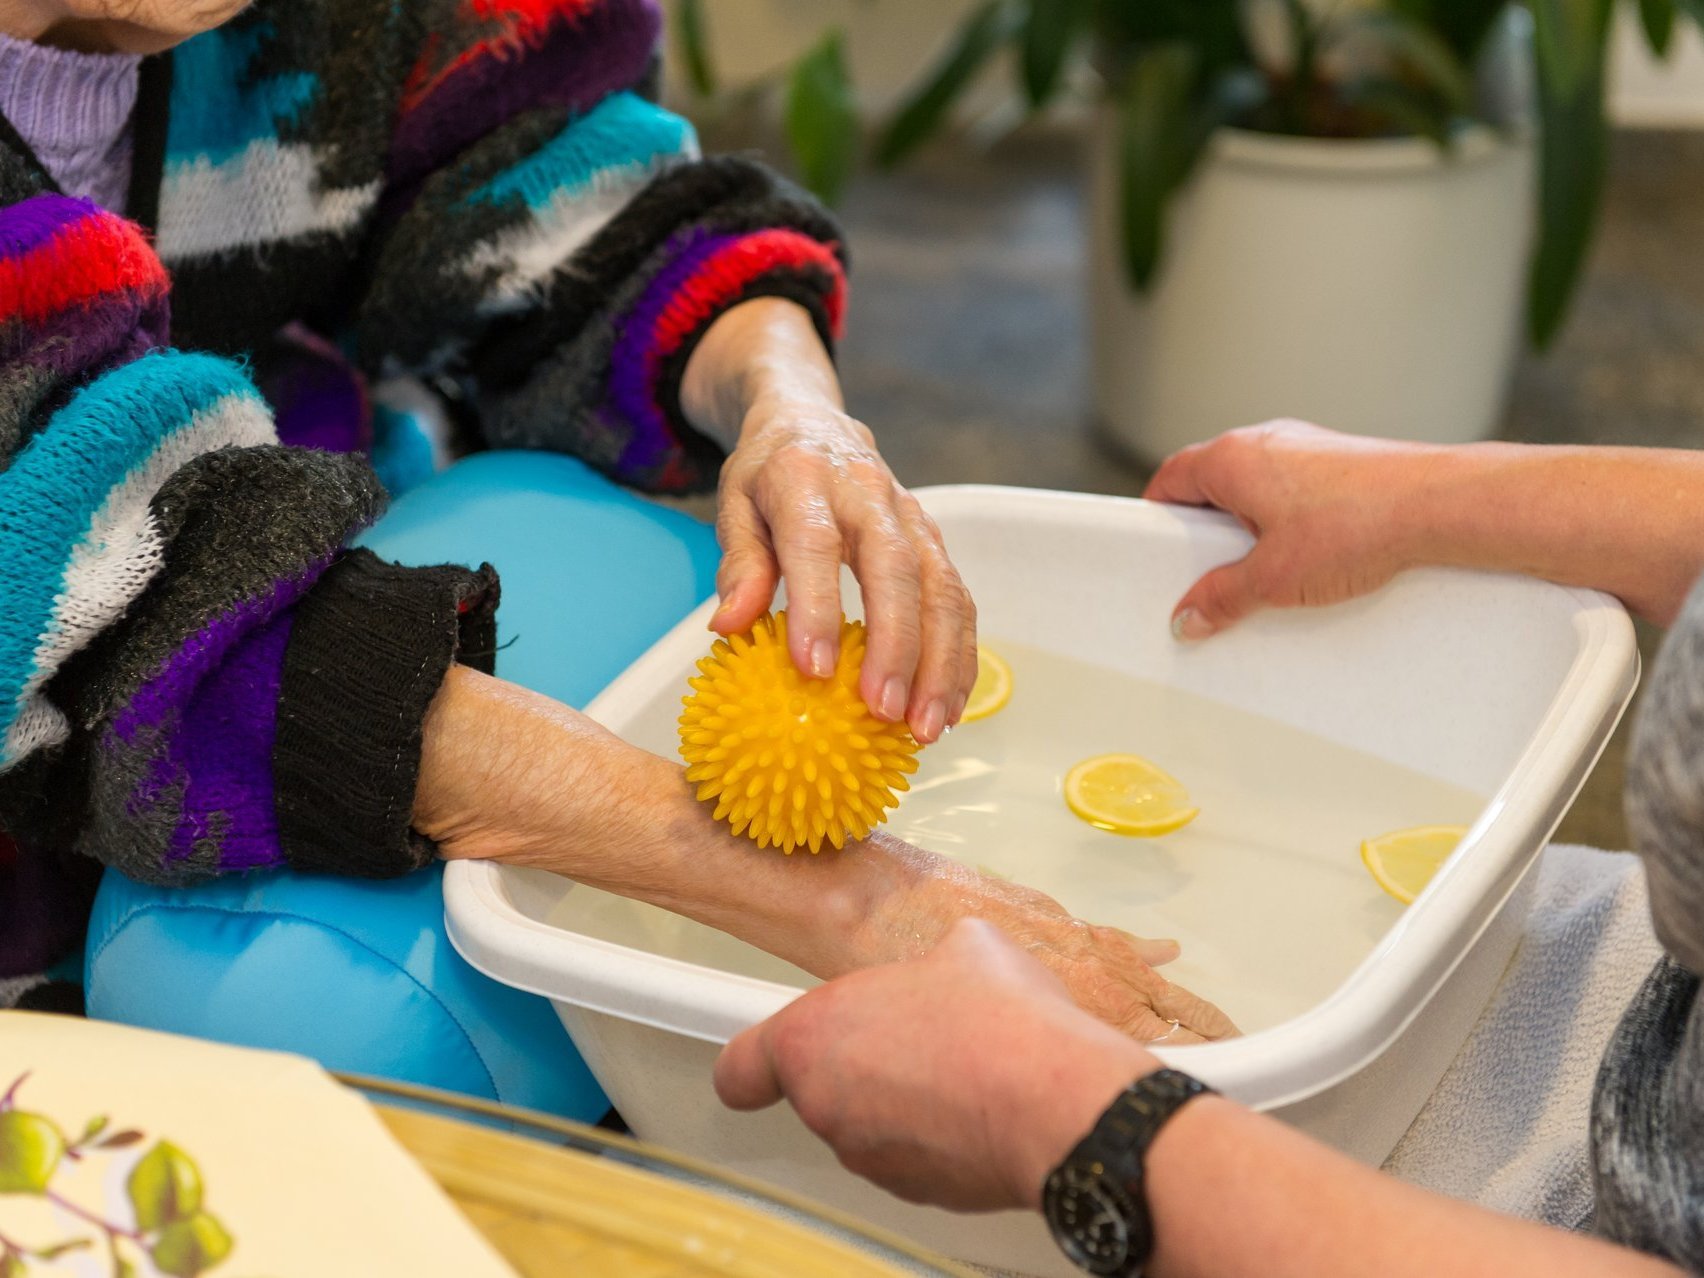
(130, 1154)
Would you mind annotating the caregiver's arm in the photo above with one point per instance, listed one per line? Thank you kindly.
(963, 1078)
(1339, 515)
(804, 489)
(511, 775)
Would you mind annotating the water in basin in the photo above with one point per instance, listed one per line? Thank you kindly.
(1265, 890)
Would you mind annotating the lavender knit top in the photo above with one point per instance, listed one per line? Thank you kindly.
(74, 110)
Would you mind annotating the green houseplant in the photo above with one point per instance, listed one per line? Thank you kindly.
(1333, 209)
(1175, 71)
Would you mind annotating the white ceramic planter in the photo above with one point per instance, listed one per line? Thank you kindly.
(1372, 286)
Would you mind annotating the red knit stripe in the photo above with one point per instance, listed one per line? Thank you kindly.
(90, 257)
(726, 273)
(520, 23)
(528, 14)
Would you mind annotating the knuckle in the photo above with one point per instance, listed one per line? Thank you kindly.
(902, 633)
(871, 472)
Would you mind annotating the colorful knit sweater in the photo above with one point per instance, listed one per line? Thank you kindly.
(195, 676)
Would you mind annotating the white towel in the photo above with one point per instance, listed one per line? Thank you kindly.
(1506, 1127)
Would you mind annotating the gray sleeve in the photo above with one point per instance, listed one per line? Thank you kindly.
(1665, 787)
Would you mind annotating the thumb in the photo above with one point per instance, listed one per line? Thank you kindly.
(744, 1075)
(1220, 599)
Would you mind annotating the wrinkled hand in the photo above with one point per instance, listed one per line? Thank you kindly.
(1335, 516)
(959, 1079)
(806, 490)
(1110, 973)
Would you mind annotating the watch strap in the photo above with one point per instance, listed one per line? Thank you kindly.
(1106, 1170)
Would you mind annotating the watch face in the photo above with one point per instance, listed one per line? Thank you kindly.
(1090, 1219)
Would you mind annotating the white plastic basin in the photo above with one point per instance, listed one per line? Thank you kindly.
(1505, 686)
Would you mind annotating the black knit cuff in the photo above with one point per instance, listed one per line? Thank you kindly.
(369, 647)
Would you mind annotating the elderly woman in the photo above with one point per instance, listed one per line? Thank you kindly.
(198, 678)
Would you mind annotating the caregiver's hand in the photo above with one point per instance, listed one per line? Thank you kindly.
(804, 490)
(510, 775)
(960, 1079)
(1336, 516)
(965, 1078)
(1339, 515)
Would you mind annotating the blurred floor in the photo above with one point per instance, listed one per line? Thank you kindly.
(967, 349)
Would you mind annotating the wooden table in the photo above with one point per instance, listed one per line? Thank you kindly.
(558, 1198)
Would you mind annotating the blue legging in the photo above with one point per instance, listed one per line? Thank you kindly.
(359, 975)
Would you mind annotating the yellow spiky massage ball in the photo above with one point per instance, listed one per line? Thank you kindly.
(791, 761)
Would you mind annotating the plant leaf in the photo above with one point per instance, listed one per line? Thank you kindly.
(61, 1249)
(1154, 145)
(986, 30)
(1693, 9)
(821, 117)
(1657, 17)
(1419, 51)
(118, 1140)
(694, 46)
(1049, 32)
(1417, 112)
(189, 1247)
(31, 1148)
(164, 1186)
(1572, 46)
(1464, 25)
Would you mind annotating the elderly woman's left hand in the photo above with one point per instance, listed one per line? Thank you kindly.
(803, 491)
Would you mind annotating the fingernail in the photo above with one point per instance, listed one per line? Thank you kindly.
(1189, 625)
(822, 658)
(892, 706)
(933, 720)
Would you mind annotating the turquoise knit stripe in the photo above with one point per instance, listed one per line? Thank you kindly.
(219, 108)
(623, 133)
(59, 480)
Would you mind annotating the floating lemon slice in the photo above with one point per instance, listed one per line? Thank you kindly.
(1404, 861)
(993, 687)
(1126, 794)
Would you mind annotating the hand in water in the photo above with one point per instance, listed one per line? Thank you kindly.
(1108, 972)
(959, 1079)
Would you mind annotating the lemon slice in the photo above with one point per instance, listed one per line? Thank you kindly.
(993, 687)
(1126, 794)
(1404, 861)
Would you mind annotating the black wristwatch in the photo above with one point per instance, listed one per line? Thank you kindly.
(1094, 1201)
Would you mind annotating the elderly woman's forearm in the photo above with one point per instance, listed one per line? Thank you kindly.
(768, 346)
(512, 776)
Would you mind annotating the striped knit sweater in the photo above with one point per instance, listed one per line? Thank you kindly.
(195, 676)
